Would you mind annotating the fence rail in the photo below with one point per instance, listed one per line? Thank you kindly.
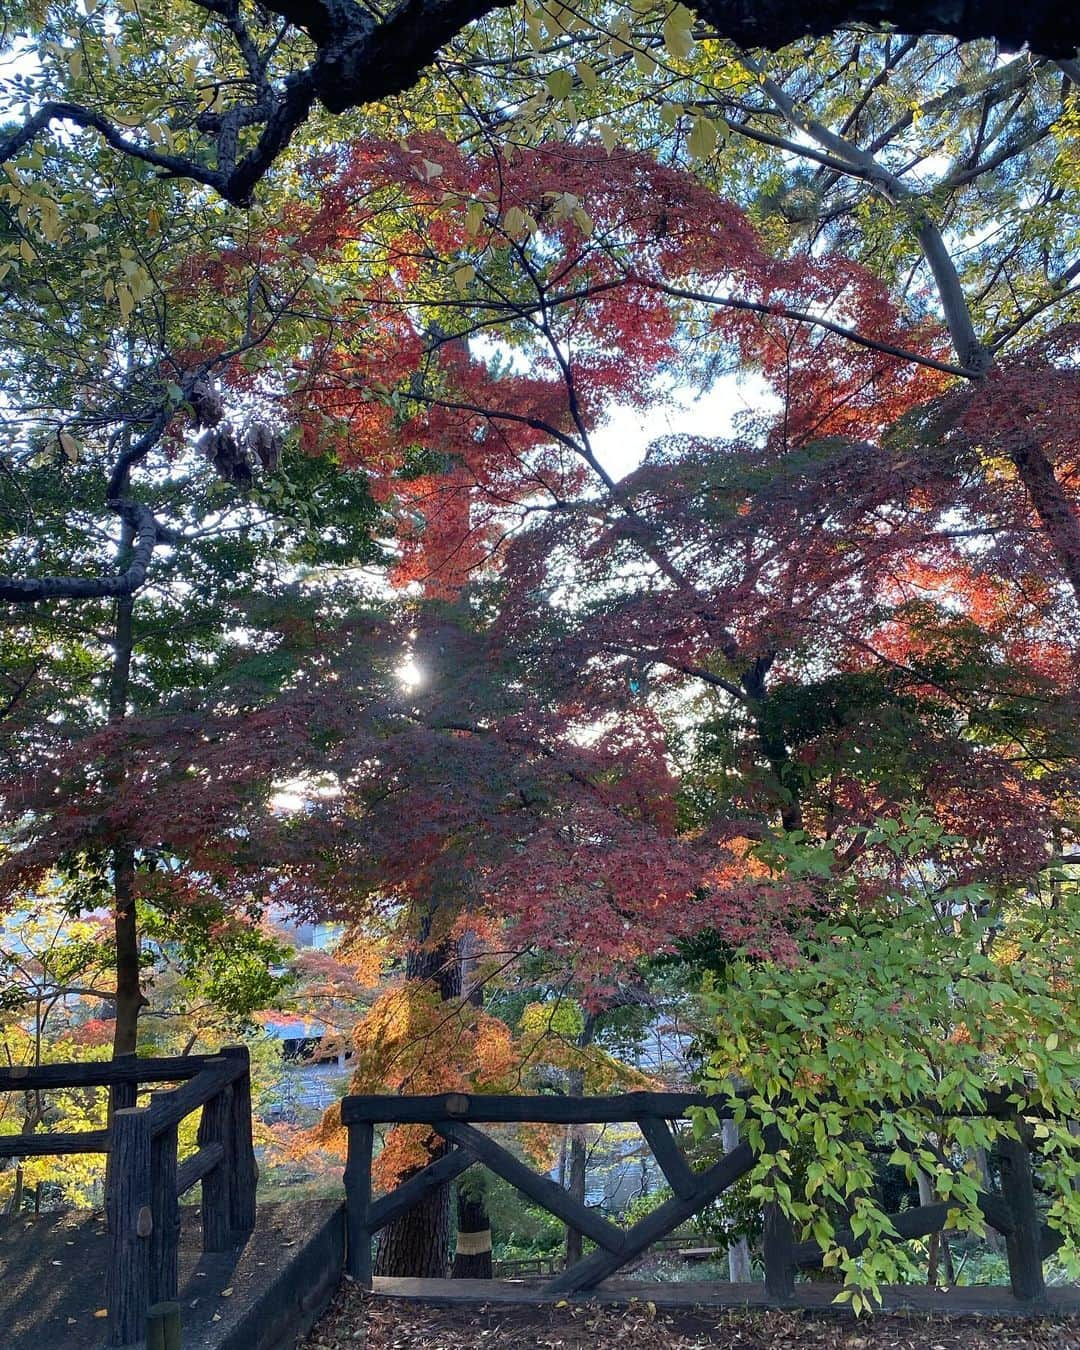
(455, 1116)
(145, 1178)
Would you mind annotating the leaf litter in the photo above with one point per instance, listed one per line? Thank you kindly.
(356, 1319)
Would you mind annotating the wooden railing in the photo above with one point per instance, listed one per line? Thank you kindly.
(455, 1117)
(145, 1179)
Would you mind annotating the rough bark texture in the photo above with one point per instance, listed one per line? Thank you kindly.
(738, 1255)
(418, 1244)
(129, 995)
(472, 1250)
(474, 1231)
(1056, 512)
(578, 1158)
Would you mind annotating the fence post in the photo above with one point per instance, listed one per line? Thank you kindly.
(243, 1169)
(358, 1201)
(165, 1206)
(130, 1217)
(1023, 1244)
(215, 1127)
(163, 1327)
(778, 1251)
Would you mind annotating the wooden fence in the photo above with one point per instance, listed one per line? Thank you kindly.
(145, 1179)
(455, 1117)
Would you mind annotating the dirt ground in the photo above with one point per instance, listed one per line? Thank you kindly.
(357, 1320)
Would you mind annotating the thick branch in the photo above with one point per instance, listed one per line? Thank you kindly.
(360, 60)
(1056, 512)
(1046, 26)
(25, 590)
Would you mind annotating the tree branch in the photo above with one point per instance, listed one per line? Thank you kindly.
(360, 60)
(148, 533)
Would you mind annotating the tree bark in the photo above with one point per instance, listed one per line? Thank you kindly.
(129, 995)
(472, 1249)
(1057, 515)
(578, 1158)
(418, 1244)
(739, 1271)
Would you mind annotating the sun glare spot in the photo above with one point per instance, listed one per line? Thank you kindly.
(410, 674)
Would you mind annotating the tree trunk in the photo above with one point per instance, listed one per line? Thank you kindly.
(738, 1255)
(578, 1158)
(472, 1248)
(1056, 513)
(129, 995)
(418, 1244)
(472, 1253)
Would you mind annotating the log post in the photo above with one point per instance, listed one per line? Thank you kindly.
(165, 1207)
(130, 1218)
(1023, 1244)
(243, 1171)
(163, 1327)
(778, 1250)
(215, 1127)
(358, 1202)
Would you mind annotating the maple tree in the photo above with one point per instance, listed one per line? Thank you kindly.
(846, 589)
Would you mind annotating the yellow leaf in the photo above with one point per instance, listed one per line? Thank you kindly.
(101, 1312)
(608, 135)
(125, 300)
(586, 75)
(474, 218)
(464, 276)
(583, 220)
(514, 220)
(69, 445)
(559, 84)
(227, 1293)
(702, 139)
(678, 33)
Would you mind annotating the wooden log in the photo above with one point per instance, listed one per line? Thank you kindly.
(924, 1220)
(47, 1145)
(165, 1235)
(778, 1252)
(501, 1109)
(400, 1200)
(596, 1267)
(559, 1110)
(667, 1153)
(124, 1093)
(103, 1073)
(1023, 1245)
(542, 1190)
(181, 1101)
(358, 1203)
(163, 1326)
(128, 1205)
(215, 1128)
(195, 1167)
(243, 1170)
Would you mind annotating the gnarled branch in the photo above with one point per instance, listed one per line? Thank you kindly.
(148, 533)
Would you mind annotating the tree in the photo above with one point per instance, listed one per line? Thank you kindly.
(249, 83)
